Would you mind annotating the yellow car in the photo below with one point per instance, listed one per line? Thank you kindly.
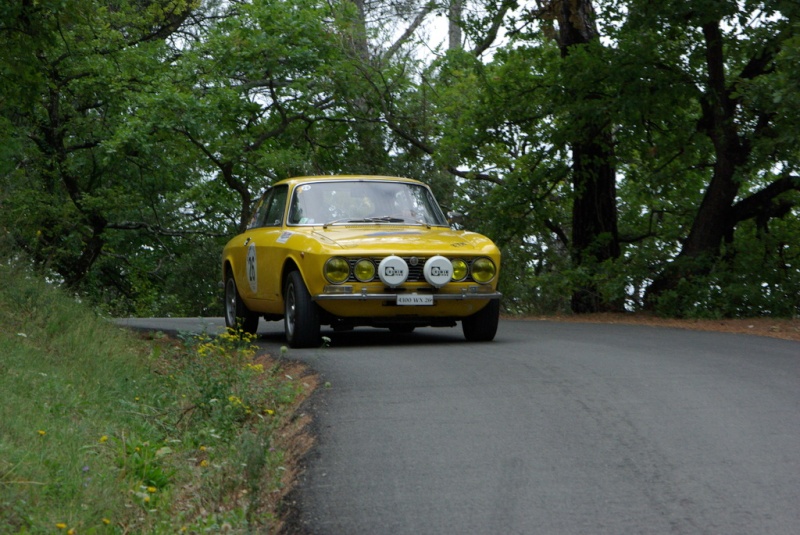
(349, 251)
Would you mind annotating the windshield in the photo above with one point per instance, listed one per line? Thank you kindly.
(365, 201)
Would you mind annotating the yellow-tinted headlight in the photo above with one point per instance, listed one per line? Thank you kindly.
(460, 270)
(483, 270)
(364, 270)
(337, 270)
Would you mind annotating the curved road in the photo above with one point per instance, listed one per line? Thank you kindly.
(554, 428)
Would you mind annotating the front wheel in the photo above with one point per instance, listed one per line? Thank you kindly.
(482, 326)
(301, 315)
(237, 315)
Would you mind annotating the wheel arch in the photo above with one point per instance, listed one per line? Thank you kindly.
(226, 268)
(288, 266)
(291, 264)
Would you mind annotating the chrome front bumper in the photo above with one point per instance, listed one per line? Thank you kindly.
(363, 295)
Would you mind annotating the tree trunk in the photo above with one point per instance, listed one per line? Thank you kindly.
(367, 129)
(454, 33)
(595, 237)
(594, 218)
(714, 220)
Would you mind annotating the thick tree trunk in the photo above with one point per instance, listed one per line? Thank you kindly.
(714, 220)
(594, 218)
(595, 237)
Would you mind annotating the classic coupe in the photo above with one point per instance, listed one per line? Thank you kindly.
(349, 251)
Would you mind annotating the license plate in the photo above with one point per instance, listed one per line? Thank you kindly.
(415, 299)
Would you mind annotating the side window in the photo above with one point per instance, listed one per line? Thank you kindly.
(260, 211)
(277, 207)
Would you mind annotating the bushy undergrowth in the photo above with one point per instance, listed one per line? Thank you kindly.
(104, 432)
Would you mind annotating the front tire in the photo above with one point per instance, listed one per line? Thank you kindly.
(237, 315)
(301, 315)
(482, 326)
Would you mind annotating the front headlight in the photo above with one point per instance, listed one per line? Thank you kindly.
(364, 270)
(460, 270)
(337, 270)
(483, 270)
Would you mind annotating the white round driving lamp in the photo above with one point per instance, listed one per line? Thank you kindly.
(393, 271)
(438, 271)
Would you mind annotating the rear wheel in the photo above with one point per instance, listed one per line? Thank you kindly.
(301, 315)
(237, 315)
(482, 326)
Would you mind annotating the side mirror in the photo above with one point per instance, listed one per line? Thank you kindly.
(454, 217)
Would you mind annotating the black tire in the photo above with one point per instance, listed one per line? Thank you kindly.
(237, 315)
(301, 316)
(482, 326)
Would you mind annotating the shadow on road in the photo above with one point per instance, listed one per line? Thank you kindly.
(369, 337)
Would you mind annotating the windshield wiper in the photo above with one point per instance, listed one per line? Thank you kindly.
(342, 220)
(382, 219)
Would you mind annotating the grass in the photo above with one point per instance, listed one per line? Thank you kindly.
(102, 431)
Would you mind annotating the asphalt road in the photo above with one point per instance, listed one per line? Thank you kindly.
(553, 428)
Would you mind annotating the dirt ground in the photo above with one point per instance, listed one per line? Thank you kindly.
(787, 329)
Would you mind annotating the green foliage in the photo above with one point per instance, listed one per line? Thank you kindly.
(103, 432)
(134, 136)
(734, 289)
(510, 120)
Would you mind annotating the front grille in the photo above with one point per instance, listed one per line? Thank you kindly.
(414, 271)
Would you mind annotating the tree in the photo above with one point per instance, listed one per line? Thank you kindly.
(754, 168)
(617, 151)
(79, 63)
(595, 237)
(633, 117)
(248, 93)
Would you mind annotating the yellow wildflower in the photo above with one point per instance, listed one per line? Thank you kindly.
(104, 438)
(106, 521)
(42, 433)
(151, 490)
(71, 531)
(204, 463)
(257, 368)
(61, 525)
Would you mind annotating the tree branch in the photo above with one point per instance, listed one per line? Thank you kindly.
(161, 231)
(762, 202)
(491, 35)
(409, 32)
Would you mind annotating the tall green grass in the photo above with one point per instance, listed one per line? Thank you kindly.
(102, 431)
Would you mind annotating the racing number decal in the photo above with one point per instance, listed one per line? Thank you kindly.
(252, 268)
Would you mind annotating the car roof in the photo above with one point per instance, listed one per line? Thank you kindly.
(324, 178)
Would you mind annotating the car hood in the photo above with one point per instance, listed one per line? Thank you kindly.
(398, 239)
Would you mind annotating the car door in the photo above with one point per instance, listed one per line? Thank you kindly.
(263, 257)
